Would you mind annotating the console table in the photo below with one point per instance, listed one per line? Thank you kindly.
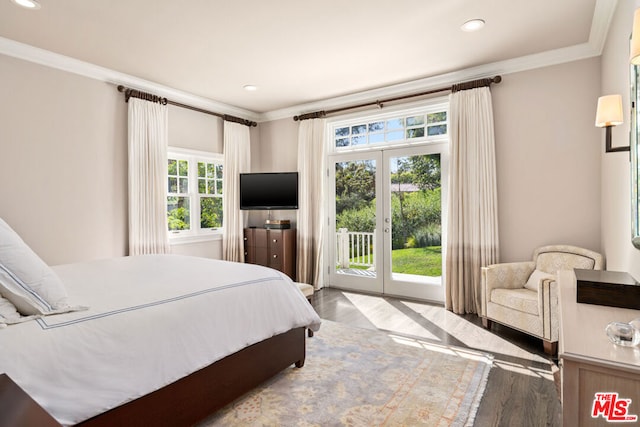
(589, 362)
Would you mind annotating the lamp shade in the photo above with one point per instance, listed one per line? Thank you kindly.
(634, 56)
(609, 111)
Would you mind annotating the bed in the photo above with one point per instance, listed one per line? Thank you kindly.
(155, 339)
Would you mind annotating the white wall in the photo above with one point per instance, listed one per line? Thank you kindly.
(616, 192)
(63, 179)
(194, 130)
(548, 162)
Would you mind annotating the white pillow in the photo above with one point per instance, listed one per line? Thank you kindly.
(536, 277)
(9, 315)
(27, 281)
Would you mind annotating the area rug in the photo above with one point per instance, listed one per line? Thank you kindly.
(359, 377)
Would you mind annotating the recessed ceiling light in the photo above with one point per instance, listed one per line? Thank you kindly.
(250, 88)
(472, 25)
(27, 4)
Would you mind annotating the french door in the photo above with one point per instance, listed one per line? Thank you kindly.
(387, 222)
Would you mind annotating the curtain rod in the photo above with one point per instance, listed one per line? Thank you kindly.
(128, 93)
(380, 103)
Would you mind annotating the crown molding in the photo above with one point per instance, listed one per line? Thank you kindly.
(523, 63)
(65, 63)
(603, 14)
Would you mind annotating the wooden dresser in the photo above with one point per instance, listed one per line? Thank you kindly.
(589, 362)
(271, 248)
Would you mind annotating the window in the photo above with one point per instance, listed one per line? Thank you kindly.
(194, 193)
(423, 126)
(387, 187)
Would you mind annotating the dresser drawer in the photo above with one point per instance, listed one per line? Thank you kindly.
(275, 261)
(275, 242)
(271, 248)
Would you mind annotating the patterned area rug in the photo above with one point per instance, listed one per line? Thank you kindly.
(359, 377)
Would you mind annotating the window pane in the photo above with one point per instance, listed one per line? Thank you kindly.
(342, 142)
(437, 117)
(219, 171)
(376, 138)
(184, 185)
(415, 133)
(395, 124)
(219, 186)
(415, 121)
(358, 140)
(183, 167)
(342, 131)
(375, 127)
(211, 170)
(395, 136)
(202, 167)
(437, 130)
(173, 185)
(202, 186)
(211, 187)
(172, 167)
(358, 129)
(210, 212)
(178, 213)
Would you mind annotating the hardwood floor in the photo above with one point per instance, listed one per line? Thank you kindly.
(520, 390)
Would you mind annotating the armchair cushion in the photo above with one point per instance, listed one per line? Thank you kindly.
(523, 300)
(508, 275)
(533, 283)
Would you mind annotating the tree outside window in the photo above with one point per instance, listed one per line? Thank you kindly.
(194, 193)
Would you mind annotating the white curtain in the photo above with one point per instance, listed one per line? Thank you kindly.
(472, 238)
(237, 160)
(311, 201)
(148, 135)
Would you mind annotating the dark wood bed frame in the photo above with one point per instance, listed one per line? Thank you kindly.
(192, 398)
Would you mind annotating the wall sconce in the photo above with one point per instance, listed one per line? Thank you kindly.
(634, 56)
(609, 114)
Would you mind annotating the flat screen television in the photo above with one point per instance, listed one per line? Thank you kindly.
(269, 191)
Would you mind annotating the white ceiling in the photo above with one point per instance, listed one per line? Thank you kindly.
(298, 52)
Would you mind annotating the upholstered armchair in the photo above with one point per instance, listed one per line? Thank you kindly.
(524, 295)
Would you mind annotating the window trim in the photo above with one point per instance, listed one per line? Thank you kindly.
(195, 233)
(401, 111)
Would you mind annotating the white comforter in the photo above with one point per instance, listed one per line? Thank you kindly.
(151, 320)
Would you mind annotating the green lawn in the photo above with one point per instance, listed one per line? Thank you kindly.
(421, 261)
